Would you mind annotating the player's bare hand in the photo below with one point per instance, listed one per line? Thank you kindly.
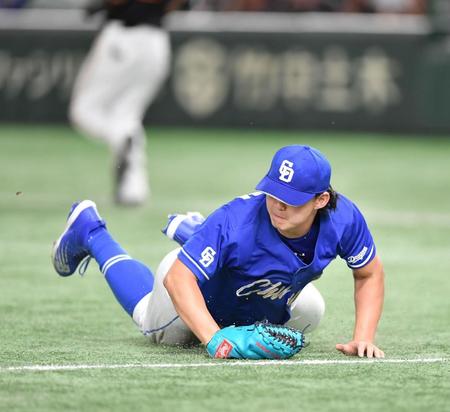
(360, 348)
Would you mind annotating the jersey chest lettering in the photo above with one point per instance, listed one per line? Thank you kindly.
(264, 288)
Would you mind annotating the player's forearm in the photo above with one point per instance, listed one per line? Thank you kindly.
(189, 303)
(369, 297)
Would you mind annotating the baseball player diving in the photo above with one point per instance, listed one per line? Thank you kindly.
(122, 74)
(241, 281)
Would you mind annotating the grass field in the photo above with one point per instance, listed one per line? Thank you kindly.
(100, 362)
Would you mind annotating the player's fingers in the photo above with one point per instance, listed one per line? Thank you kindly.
(370, 350)
(340, 347)
(345, 349)
(378, 353)
(361, 348)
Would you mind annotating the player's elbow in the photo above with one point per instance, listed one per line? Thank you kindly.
(168, 280)
(374, 269)
(179, 278)
(172, 277)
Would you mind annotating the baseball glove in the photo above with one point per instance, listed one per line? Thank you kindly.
(261, 340)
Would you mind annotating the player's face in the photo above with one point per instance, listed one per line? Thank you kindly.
(294, 221)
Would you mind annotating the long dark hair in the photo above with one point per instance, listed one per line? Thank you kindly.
(332, 203)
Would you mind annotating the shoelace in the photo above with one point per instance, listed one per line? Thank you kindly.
(84, 265)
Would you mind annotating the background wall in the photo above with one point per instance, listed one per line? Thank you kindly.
(365, 72)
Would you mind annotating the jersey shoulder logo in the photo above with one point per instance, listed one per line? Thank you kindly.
(207, 256)
(286, 171)
(358, 257)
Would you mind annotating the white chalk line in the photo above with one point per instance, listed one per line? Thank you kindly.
(218, 363)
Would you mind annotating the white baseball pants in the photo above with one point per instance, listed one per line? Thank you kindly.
(157, 318)
(117, 81)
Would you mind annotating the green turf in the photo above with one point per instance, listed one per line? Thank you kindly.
(401, 184)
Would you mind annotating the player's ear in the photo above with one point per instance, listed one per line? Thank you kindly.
(321, 200)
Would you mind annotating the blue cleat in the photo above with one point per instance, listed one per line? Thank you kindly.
(181, 227)
(71, 248)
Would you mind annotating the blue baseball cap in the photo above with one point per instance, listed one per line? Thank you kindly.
(296, 175)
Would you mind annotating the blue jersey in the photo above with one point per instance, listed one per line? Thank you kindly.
(247, 273)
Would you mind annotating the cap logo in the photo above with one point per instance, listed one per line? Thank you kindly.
(286, 171)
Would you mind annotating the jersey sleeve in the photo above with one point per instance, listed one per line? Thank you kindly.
(206, 251)
(357, 247)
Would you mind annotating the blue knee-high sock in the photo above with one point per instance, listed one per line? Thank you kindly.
(129, 279)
